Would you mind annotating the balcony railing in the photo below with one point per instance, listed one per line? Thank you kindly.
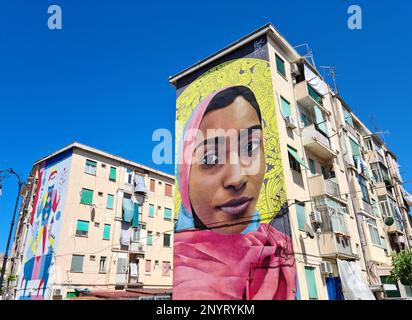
(315, 96)
(307, 96)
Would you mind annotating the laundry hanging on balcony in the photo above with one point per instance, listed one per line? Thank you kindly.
(354, 286)
(128, 210)
(139, 184)
(135, 222)
(125, 234)
(315, 81)
(408, 198)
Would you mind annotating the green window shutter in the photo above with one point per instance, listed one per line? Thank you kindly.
(320, 120)
(285, 107)
(355, 147)
(300, 211)
(280, 65)
(91, 163)
(295, 155)
(149, 238)
(82, 226)
(311, 282)
(110, 199)
(151, 211)
(112, 174)
(168, 214)
(315, 96)
(106, 232)
(312, 166)
(87, 197)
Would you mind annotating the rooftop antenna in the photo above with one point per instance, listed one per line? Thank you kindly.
(381, 134)
(333, 75)
(308, 53)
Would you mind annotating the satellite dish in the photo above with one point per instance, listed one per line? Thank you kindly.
(389, 221)
(309, 231)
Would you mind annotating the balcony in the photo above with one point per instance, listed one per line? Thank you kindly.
(319, 186)
(317, 142)
(396, 227)
(367, 207)
(307, 96)
(376, 156)
(137, 247)
(334, 246)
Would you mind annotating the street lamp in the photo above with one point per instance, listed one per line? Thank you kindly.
(5, 258)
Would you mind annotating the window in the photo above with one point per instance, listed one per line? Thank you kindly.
(369, 144)
(166, 268)
(280, 65)
(315, 95)
(90, 167)
(149, 239)
(364, 189)
(109, 204)
(348, 117)
(112, 176)
(129, 176)
(106, 232)
(294, 159)
(285, 107)
(311, 283)
(166, 240)
(373, 231)
(383, 245)
(148, 266)
(355, 147)
(77, 263)
(300, 211)
(151, 211)
(152, 185)
(82, 228)
(92, 258)
(312, 166)
(102, 264)
(136, 234)
(86, 197)
(168, 214)
(168, 190)
(100, 194)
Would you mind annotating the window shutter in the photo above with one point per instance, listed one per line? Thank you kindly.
(311, 283)
(87, 197)
(106, 232)
(112, 174)
(285, 107)
(300, 210)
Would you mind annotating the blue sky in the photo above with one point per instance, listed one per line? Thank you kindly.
(103, 79)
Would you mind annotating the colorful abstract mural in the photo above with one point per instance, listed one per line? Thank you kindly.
(45, 221)
(232, 236)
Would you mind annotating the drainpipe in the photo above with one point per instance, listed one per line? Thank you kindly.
(358, 217)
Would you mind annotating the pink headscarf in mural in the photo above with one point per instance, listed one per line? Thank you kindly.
(257, 265)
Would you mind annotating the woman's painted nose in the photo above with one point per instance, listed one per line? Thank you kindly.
(235, 176)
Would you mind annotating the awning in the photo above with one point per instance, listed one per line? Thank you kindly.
(295, 155)
(315, 81)
(354, 286)
(139, 184)
(128, 210)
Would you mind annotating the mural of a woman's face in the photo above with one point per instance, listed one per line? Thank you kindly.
(224, 188)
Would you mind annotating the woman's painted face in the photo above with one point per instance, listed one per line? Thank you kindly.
(227, 168)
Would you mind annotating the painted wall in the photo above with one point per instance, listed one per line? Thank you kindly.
(43, 234)
(214, 257)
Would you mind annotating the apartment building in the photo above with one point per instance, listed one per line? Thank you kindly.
(90, 221)
(339, 209)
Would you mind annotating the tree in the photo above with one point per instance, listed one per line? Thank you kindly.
(402, 267)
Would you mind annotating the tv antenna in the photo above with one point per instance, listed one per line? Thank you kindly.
(331, 74)
(381, 134)
(308, 53)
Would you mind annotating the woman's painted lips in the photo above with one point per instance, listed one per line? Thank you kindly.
(236, 206)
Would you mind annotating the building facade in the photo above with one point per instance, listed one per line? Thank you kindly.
(91, 220)
(346, 203)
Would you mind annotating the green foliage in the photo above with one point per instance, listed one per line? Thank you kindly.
(402, 267)
(12, 277)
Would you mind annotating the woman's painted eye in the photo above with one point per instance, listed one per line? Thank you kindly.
(252, 146)
(210, 159)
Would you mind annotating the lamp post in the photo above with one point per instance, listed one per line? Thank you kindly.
(5, 258)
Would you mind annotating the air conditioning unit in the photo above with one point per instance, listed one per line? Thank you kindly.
(316, 217)
(326, 267)
(294, 68)
(291, 122)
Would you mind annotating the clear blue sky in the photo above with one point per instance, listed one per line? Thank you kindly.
(103, 79)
